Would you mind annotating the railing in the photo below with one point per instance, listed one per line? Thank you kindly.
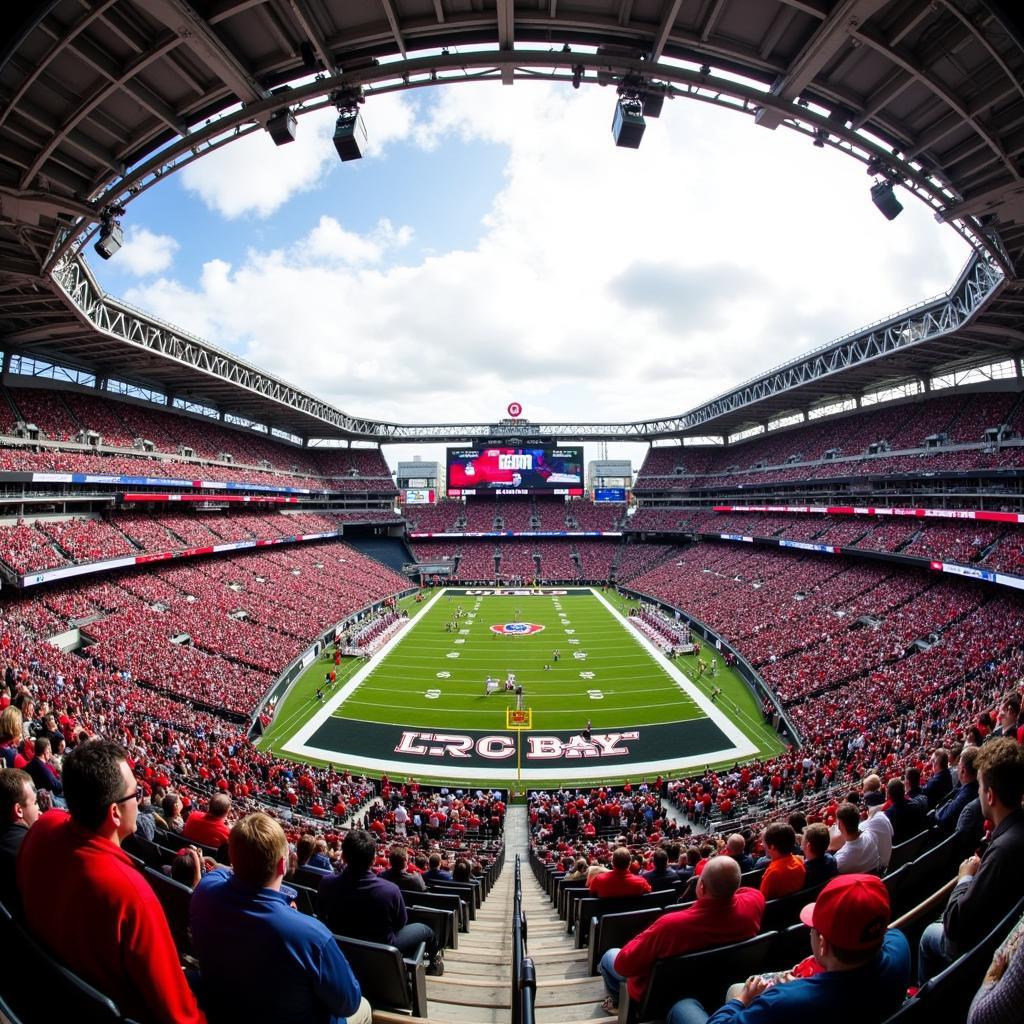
(524, 976)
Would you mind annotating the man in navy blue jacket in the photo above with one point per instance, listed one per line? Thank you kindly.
(948, 814)
(244, 928)
(361, 905)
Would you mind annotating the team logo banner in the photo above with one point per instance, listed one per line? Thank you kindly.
(517, 628)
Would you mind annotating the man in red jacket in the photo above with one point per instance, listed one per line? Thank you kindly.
(723, 913)
(211, 828)
(110, 928)
(619, 881)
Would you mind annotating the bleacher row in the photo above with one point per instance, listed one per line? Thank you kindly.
(562, 560)
(27, 547)
(392, 984)
(151, 442)
(796, 453)
(992, 546)
(918, 879)
(484, 514)
(245, 618)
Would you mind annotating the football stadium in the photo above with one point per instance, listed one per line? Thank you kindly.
(461, 580)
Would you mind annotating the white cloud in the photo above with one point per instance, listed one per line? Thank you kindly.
(145, 253)
(330, 241)
(607, 284)
(252, 175)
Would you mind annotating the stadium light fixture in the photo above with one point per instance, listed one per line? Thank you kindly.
(885, 199)
(111, 235)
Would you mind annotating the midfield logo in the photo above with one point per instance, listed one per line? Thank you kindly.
(517, 628)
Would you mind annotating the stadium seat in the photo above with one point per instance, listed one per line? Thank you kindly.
(613, 931)
(388, 981)
(443, 901)
(42, 977)
(909, 850)
(592, 908)
(784, 911)
(176, 899)
(704, 976)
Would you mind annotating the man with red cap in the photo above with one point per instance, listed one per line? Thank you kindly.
(865, 967)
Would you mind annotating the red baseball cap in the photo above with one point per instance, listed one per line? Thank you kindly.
(852, 912)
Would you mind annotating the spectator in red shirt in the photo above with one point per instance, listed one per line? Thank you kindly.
(211, 828)
(786, 872)
(619, 881)
(112, 930)
(724, 912)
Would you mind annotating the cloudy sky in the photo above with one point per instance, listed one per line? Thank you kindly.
(494, 246)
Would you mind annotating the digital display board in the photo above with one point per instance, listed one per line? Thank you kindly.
(515, 471)
(610, 494)
(419, 496)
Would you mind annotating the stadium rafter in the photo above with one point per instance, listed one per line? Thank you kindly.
(100, 101)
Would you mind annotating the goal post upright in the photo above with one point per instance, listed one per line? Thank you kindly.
(519, 719)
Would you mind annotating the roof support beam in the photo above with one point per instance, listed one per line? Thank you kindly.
(304, 17)
(668, 20)
(200, 37)
(389, 12)
(507, 36)
(833, 34)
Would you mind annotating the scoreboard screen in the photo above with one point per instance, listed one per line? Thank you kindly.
(515, 471)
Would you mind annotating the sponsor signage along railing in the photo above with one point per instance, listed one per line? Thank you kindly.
(275, 499)
(1002, 579)
(206, 485)
(521, 533)
(977, 514)
(84, 568)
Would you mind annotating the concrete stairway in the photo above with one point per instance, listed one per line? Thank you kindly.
(477, 983)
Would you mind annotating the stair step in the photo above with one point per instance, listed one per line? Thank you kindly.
(490, 968)
(450, 1012)
(466, 992)
(584, 1013)
(551, 992)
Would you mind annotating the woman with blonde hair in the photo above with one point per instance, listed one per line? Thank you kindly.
(10, 739)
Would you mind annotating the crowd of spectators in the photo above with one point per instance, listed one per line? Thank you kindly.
(437, 518)
(584, 514)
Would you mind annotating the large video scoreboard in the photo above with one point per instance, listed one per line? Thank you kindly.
(545, 470)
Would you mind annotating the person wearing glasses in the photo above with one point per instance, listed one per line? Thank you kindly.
(111, 931)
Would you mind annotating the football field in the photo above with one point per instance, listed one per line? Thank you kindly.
(604, 702)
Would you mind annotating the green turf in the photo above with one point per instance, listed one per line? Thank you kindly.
(635, 690)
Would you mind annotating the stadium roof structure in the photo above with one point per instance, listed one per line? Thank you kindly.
(101, 99)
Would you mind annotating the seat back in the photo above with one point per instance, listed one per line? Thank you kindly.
(41, 976)
(387, 980)
(612, 931)
(949, 994)
(785, 910)
(176, 899)
(704, 976)
(441, 901)
(908, 850)
(590, 908)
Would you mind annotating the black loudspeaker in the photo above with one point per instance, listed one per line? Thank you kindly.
(883, 197)
(350, 136)
(111, 239)
(281, 127)
(628, 124)
(653, 102)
